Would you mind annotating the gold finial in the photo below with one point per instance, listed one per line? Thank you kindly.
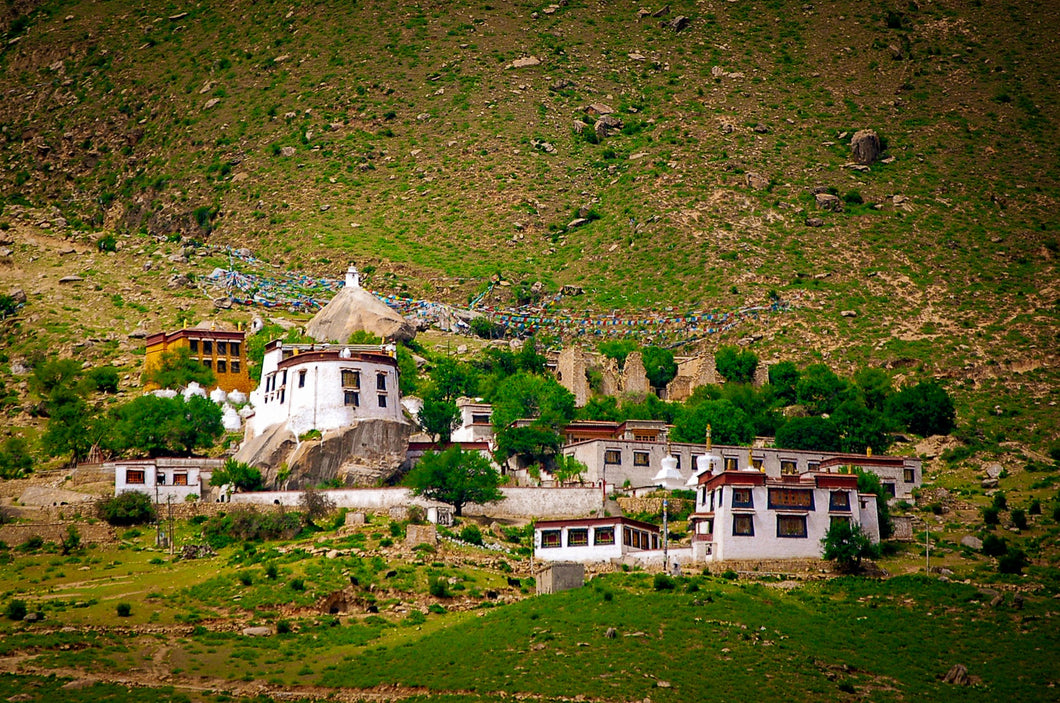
(868, 451)
(709, 442)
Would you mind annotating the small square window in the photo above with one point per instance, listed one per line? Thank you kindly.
(741, 498)
(813, 466)
(193, 344)
(233, 348)
(641, 458)
(160, 478)
(839, 500)
(208, 363)
(732, 463)
(382, 401)
(550, 539)
(756, 462)
(613, 456)
(207, 346)
(222, 366)
(791, 525)
(301, 378)
(743, 525)
(235, 366)
(380, 381)
(578, 537)
(351, 378)
(351, 398)
(909, 475)
(180, 479)
(788, 468)
(604, 535)
(134, 476)
(838, 519)
(222, 348)
(889, 489)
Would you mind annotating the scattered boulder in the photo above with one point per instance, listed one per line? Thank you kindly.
(988, 483)
(196, 551)
(19, 296)
(727, 127)
(827, 201)
(677, 24)
(957, 675)
(257, 631)
(848, 313)
(212, 102)
(814, 222)
(73, 278)
(757, 181)
(178, 280)
(287, 151)
(571, 290)
(579, 126)
(525, 62)
(865, 145)
(760, 129)
(994, 471)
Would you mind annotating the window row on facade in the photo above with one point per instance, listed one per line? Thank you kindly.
(209, 347)
(793, 526)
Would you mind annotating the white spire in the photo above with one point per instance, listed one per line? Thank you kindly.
(353, 279)
(668, 474)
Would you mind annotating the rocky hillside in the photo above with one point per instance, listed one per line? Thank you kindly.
(656, 157)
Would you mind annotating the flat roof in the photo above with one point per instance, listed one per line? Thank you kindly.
(593, 521)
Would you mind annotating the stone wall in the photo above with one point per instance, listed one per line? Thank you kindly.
(14, 535)
(652, 504)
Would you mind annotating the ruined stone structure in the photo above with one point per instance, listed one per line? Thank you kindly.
(571, 368)
(634, 378)
(691, 373)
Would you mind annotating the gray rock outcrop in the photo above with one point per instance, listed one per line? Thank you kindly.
(354, 309)
(865, 146)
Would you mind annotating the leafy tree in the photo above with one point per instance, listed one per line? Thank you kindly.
(534, 444)
(994, 546)
(159, 426)
(736, 365)
(8, 306)
(71, 541)
(847, 544)
(408, 373)
(659, 366)
(529, 360)
(455, 477)
(757, 403)
(236, 473)
(784, 377)
(729, 424)
(618, 350)
(15, 460)
(820, 390)
(874, 386)
(451, 379)
(861, 427)
(55, 374)
(568, 469)
(869, 482)
(103, 379)
(527, 396)
(315, 504)
(439, 418)
(810, 433)
(177, 368)
(925, 409)
(130, 508)
(601, 407)
(16, 609)
(1014, 561)
(68, 430)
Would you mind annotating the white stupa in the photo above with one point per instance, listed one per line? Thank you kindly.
(706, 464)
(668, 477)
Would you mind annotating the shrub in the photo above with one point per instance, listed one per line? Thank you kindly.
(32, 544)
(846, 544)
(271, 572)
(283, 627)
(1000, 501)
(853, 197)
(663, 582)
(124, 610)
(129, 508)
(1019, 519)
(437, 608)
(107, 243)
(729, 575)
(471, 534)
(1012, 562)
(246, 578)
(439, 587)
(16, 610)
(991, 515)
(994, 546)
(71, 541)
(1035, 508)
(1056, 513)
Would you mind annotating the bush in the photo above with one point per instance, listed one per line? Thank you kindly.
(991, 515)
(124, 610)
(729, 575)
(297, 585)
(1019, 519)
(1012, 562)
(283, 627)
(1035, 508)
(246, 578)
(1000, 501)
(71, 541)
(663, 582)
(107, 243)
(131, 508)
(439, 587)
(994, 546)
(16, 610)
(32, 544)
(847, 544)
(437, 608)
(271, 572)
(471, 534)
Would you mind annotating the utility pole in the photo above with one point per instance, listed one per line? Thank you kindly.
(169, 500)
(927, 547)
(666, 535)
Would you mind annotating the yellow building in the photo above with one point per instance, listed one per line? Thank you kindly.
(222, 351)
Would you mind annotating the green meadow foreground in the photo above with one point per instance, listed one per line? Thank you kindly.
(460, 623)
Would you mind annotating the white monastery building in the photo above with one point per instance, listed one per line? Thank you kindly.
(325, 387)
(164, 479)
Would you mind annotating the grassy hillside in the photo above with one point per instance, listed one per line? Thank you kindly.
(417, 152)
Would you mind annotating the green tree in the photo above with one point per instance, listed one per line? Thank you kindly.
(568, 469)
(784, 377)
(601, 407)
(55, 374)
(408, 373)
(659, 366)
(874, 386)
(451, 379)
(729, 424)
(157, 426)
(177, 368)
(238, 474)
(439, 418)
(925, 409)
(455, 477)
(526, 396)
(8, 306)
(861, 427)
(130, 508)
(535, 445)
(809, 433)
(820, 390)
(529, 359)
(618, 349)
(869, 482)
(103, 380)
(68, 430)
(736, 365)
(847, 544)
(15, 460)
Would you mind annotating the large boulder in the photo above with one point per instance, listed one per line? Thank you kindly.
(354, 309)
(865, 146)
